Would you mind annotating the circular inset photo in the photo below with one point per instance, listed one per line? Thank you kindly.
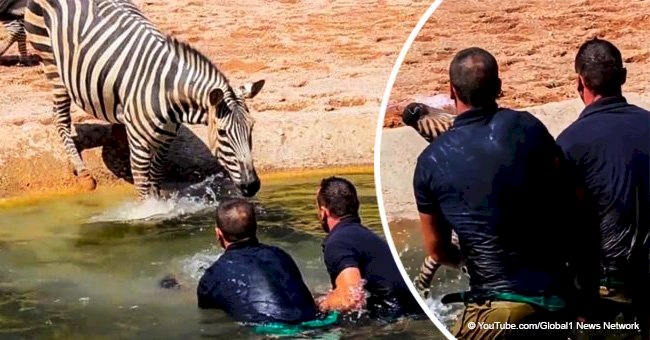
(513, 168)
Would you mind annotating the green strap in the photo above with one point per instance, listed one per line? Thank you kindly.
(276, 328)
(551, 303)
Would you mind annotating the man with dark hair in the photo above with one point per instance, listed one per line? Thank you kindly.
(495, 179)
(608, 147)
(357, 259)
(253, 282)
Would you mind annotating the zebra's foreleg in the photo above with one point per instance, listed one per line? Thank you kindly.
(427, 271)
(140, 159)
(63, 123)
(158, 164)
(22, 49)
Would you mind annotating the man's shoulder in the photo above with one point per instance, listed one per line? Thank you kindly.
(272, 250)
(522, 117)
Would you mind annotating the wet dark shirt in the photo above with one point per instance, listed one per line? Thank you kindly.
(257, 283)
(352, 245)
(492, 179)
(608, 146)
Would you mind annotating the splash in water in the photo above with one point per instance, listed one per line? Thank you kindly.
(195, 266)
(444, 313)
(190, 200)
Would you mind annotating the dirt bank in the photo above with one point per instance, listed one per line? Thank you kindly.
(326, 65)
(401, 146)
(535, 42)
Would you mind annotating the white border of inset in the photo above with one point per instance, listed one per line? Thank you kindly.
(380, 200)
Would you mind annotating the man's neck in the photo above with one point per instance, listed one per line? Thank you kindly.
(462, 107)
(227, 244)
(590, 98)
(333, 222)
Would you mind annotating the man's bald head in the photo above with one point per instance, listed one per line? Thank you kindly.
(474, 75)
(236, 220)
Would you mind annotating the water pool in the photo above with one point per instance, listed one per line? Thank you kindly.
(74, 268)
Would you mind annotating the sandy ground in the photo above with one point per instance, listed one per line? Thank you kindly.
(326, 64)
(535, 42)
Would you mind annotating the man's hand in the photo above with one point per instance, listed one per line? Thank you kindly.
(348, 295)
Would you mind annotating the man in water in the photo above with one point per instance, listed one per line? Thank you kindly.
(253, 282)
(494, 178)
(358, 260)
(608, 147)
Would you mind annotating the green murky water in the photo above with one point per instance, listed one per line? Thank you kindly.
(74, 268)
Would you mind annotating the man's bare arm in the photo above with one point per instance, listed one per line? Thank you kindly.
(348, 295)
(437, 241)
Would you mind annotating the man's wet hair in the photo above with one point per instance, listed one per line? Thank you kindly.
(474, 74)
(236, 220)
(600, 64)
(339, 196)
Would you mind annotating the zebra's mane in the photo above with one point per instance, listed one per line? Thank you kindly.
(183, 50)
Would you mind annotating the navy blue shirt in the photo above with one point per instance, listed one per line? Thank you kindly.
(253, 282)
(493, 178)
(608, 145)
(351, 245)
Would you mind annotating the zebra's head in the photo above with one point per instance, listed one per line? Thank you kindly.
(413, 112)
(428, 121)
(230, 127)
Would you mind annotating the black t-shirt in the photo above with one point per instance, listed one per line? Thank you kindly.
(493, 178)
(351, 245)
(257, 283)
(608, 146)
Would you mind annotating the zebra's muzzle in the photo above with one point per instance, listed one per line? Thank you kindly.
(251, 188)
(412, 113)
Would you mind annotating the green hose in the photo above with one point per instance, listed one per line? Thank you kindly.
(276, 328)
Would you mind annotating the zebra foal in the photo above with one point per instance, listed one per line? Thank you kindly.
(429, 122)
(11, 17)
(107, 58)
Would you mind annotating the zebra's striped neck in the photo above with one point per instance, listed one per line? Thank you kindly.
(195, 77)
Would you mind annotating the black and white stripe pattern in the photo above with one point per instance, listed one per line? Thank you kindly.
(110, 60)
(428, 270)
(428, 121)
(11, 17)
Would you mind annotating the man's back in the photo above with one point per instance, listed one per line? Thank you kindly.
(609, 145)
(253, 282)
(351, 244)
(492, 178)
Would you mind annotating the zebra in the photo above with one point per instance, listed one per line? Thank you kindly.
(113, 63)
(429, 122)
(11, 17)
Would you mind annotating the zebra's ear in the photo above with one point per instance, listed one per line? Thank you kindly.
(251, 90)
(216, 96)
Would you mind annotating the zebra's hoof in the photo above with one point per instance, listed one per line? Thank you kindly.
(87, 181)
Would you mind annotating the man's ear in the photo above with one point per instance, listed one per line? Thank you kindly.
(499, 89)
(216, 96)
(251, 90)
(623, 76)
(324, 212)
(452, 92)
(580, 84)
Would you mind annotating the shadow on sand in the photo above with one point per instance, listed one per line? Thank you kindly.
(189, 160)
